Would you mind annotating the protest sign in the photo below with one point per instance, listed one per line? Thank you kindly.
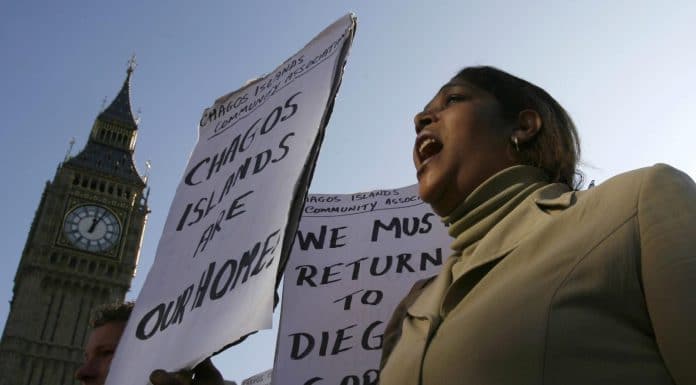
(215, 271)
(354, 258)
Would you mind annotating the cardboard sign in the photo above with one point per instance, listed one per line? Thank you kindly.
(355, 257)
(224, 241)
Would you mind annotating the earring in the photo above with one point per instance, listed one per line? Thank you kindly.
(517, 145)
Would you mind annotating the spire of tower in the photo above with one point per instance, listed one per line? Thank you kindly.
(119, 111)
(112, 140)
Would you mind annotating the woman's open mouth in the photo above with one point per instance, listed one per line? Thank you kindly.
(426, 147)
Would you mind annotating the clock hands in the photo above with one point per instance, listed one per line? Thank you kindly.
(95, 221)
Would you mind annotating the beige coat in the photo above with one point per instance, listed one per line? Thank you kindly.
(591, 287)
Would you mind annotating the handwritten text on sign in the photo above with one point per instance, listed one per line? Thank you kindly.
(216, 264)
(355, 257)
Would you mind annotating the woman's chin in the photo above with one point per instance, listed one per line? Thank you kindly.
(429, 194)
(425, 191)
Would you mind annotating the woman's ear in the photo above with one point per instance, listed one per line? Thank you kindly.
(528, 126)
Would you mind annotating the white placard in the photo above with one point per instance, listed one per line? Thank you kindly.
(215, 271)
(354, 258)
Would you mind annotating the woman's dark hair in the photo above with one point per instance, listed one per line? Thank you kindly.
(556, 147)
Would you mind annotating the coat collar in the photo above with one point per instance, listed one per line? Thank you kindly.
(488, 225)
(490, 203)
(502, 239)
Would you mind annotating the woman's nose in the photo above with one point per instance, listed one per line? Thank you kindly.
(422, 119)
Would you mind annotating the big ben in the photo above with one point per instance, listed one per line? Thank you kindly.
(81, 251)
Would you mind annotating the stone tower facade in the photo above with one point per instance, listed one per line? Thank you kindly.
(82, 251)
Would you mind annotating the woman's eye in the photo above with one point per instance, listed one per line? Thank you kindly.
(454, 98)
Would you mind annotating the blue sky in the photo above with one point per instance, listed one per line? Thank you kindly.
(623, 70)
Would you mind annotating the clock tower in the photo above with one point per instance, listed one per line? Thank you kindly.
(81, 251)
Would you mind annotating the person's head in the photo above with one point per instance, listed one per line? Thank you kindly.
(483, 121)
(107, 325)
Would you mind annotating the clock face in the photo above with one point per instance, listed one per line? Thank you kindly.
(92, 228)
